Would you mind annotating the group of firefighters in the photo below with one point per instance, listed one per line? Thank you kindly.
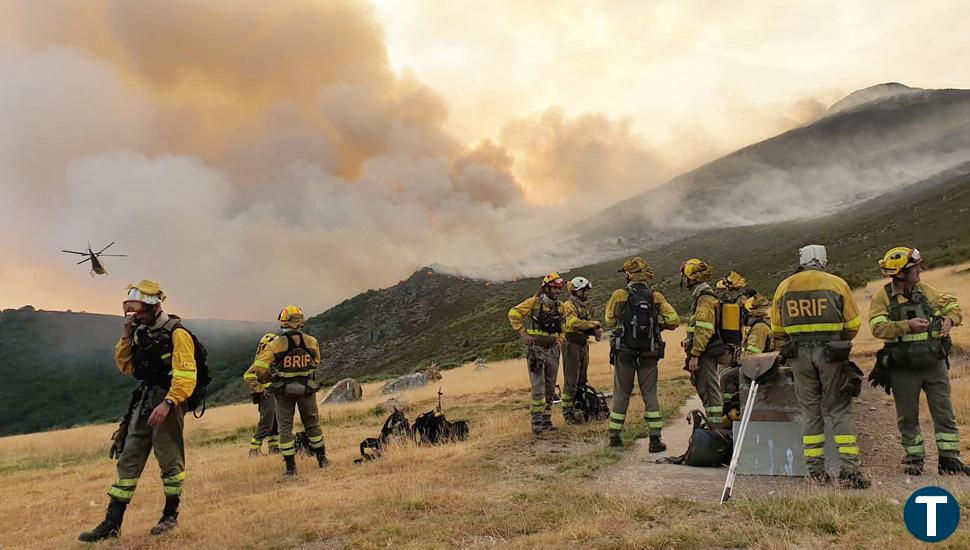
(812, 319)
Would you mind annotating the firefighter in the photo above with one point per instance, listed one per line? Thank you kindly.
(732, 288)
(267, 428)
(157, 350)
(914, 319)
(705, 349)
(289, 364)
(815, 314)
(757, 340)
(637, 347)
(539, 321)
(579, 327)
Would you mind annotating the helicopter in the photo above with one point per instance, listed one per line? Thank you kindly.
(97, 267)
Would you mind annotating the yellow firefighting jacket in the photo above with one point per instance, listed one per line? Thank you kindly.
(183, 363)
(578, 317)
(668, 317)
(703, 315)
(884, 328)
(266, 357)
(814, 303)
(520, 317)
(759, 338)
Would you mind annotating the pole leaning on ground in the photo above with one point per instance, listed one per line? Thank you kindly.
(742, 430)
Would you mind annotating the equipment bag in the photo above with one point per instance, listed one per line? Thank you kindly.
(708, 447)
(432, 428)
(396, 426)
(639, 319)
(729, 323)
(591, 403)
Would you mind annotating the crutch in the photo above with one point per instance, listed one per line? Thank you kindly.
(754, 368)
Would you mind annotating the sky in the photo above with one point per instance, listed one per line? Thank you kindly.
(248, 154)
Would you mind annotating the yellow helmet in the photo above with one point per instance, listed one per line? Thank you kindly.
(291, 316)
(756, 305)
(553, 279)
(696, 271)
(146, 291)
(637, 269)
(898, 259)
(736, 280)
(721, 284)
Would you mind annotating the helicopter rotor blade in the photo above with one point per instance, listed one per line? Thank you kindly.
(112, 255)
(105, 248)
(88, 259)
(73, 252)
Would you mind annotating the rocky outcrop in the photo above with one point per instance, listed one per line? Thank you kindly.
(347, 390)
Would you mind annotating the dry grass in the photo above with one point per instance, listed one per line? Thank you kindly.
(502, 487)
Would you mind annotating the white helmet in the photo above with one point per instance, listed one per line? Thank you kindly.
(579, 283)
(813, 255)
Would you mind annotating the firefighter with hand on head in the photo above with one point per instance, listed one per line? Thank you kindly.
(579, 328)
(915, 319)
(637, 314)
(540, 320)
(157, 350)
(289, 364)
(267, 428)
(815, 314)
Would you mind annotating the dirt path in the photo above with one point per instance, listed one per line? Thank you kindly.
(875, 415)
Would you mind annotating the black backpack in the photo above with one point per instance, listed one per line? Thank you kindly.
(591, 402)
(196, 402)
(396, 425)
(639, 319)
(708, 447)
(432, 428)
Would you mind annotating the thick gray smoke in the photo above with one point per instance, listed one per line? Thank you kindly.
(253, 154)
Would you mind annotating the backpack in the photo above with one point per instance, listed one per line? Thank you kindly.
(591, 402)
(432, 428)
(639, 322)
(707, 448)
(196, 402)
(396, 425)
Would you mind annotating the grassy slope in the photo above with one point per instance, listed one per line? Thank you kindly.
(498, 488)
(452, 320)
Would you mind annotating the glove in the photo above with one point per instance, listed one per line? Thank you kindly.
(312, 387)
(879, 376)
(852, 387)
(257, 398)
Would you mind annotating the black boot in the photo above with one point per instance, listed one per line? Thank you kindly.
(290, 462)
(547, 423)
(913, 467)
(951, 465)
(656, 445)
(111, 526)
(853, 479)
(170, 516)
(537, 424)
(615, 440)
(322, 457)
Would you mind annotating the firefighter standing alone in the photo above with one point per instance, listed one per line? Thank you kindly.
(156, 349)
(914, 319)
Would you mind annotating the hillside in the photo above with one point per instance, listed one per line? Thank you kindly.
(502, 488)
(874, 141)
(433, 316)
(58, 368)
